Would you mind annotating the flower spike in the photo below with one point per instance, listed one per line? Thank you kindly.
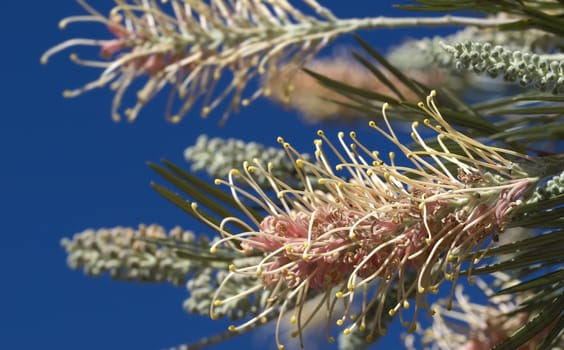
(369, 227)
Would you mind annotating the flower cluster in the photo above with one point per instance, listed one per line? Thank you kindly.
(367, 225)
(217, 156)
(127, 253)
(529, 69)
(468, 325)
(191, 45)
(298, 90)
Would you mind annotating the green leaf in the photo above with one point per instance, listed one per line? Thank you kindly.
(339, 86)
(550, 313)
(372, 68)
(539, 282)
(396, 72)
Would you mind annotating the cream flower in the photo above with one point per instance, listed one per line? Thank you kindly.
(368, 225)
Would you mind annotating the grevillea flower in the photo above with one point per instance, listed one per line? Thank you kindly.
(369, 226)
(467, 325)
(189, 45)
(192, 44)
(300, 91)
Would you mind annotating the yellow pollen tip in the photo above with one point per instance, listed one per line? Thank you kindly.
(331, 340)
(213, 316)
(251, 169)
(471, 281)
(371, 123)
(293, 319)
(415, 124)
(259, 272)
(280, 347)
(322, 181)
(232, 267)
(194, 205)
(235, 172)
(451, 258)
(294, 334)
(421, 105)
(352, 134)
(300, 163)
(231, 328)
(432, 312)
(339, 294)
(406, 304)
(346, 331)
(391, 312)
(73, 57)
(286, 145)
(62, 24)
(245, 102)
(339, 322)
(67, 93)
(369, 338)
(320, 133)
(362, 327)
(412, 328)
(217, 181)
(217, 303)
(339, 167)
(213, 250)
(428, 241)
(206, 111)
(421, 290)
(352, 235)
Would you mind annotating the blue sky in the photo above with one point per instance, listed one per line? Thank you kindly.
(66, 166)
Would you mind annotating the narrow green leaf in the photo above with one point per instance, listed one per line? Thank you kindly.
(198, 183)
(196, 193)
(549, 239)
(554, 336)
(549, 314)
(524, 259)
(372, 68)
(338, 86)
(539, 282)
(396, 72)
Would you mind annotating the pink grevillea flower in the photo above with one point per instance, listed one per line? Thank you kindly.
(467, 325)
(188, 46)
(368, 227)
